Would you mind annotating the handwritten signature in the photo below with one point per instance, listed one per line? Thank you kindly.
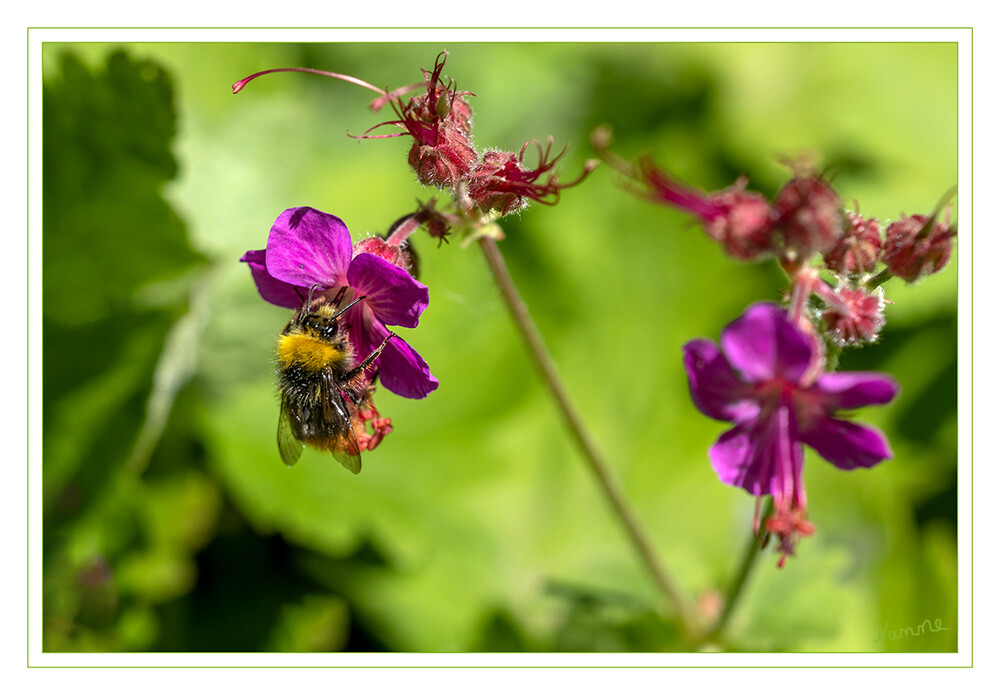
(911, 631)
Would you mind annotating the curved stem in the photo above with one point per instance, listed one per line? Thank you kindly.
(336, 75)
(750, 554)
(605, 479)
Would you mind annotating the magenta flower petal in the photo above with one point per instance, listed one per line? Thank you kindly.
(846, 444)
(307, 247)
(732, 458)
(715, 388)
(846, 390)
(762, 344)
(406, 373)
(272, 290)
(761, 456)
(394, 296)
(401, 369)
(780, 446)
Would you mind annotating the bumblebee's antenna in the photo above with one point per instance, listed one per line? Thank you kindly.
(341, 312)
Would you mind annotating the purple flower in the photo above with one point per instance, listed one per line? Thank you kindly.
(767, 380)
(306, 248)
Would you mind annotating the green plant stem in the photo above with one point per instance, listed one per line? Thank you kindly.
(750, 554)
(877, 280)
(605, 479)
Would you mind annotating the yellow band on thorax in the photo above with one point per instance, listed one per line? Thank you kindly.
(307, 352)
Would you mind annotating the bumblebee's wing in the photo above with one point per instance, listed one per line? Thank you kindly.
(289, 447)
(351, 462)
(345, 446)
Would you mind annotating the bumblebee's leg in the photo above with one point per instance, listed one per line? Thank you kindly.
(371, 358)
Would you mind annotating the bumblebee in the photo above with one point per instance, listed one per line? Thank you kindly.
(321, 383)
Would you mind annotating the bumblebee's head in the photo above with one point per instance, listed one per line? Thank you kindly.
(321, 322)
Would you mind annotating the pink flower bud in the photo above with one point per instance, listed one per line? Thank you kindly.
(398, 255)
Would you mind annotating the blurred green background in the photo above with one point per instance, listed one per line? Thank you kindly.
(170, 523)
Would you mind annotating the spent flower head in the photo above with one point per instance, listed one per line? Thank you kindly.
(807, 216)
(916, 245)
(859, 250)
(439, 120)
(502, 184)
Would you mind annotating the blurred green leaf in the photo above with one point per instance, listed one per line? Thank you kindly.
(110, 243)
(316, 624)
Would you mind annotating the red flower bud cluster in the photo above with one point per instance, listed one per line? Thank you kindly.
(806, 219)
(439, 119)
(442, 155)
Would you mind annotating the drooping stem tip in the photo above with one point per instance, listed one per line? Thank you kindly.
(237, 86)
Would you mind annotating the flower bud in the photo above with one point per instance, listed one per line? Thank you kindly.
(858, 250)
(399, 255)
(916, 246)
(807, 214)
(438, 223)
